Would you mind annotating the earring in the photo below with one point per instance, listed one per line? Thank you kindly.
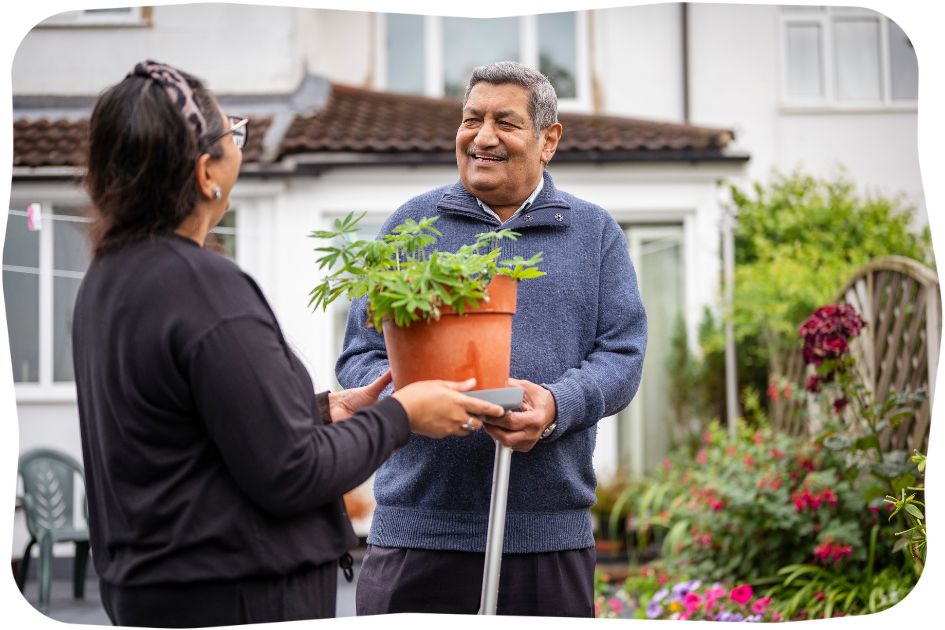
(217, 193)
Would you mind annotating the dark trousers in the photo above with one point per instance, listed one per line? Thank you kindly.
(555, 584)
(305, 594)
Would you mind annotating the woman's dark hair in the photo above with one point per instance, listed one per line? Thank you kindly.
(141, 160)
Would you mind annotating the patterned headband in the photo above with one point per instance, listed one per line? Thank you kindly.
(177, 89)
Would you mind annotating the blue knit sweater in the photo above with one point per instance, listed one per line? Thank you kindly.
(580, 331)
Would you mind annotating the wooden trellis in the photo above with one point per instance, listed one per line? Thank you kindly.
(899, 301)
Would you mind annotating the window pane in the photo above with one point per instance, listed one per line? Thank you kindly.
(471, 42)
(557, 51)
(71, 249)
(857, 55)
(64, 292)
(21, 246)
(71, 257)
(804, 66)
(404, 46)
(224, 235)
(903, 67)
(21, 296)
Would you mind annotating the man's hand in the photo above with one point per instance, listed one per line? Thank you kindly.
(345, 403)
(520, 430)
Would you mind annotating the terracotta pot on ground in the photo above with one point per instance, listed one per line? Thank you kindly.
(457, 347)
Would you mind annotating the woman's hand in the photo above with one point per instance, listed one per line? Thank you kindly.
(345, 403)
(437, 408)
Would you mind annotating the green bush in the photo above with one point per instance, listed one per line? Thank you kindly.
(797, 240)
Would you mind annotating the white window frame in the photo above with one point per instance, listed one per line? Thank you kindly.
(47, 389)
(825, 18)
(84, 18)
(528, 54)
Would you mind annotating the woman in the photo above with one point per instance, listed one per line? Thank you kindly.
(214, 472)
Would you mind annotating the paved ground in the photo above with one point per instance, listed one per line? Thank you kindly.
(62, 606)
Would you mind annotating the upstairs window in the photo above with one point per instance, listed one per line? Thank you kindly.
(846, 58)
(435, 55)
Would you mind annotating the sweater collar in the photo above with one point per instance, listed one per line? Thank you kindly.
(549, 209)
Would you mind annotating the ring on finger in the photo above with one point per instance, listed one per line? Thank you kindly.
(471, 425)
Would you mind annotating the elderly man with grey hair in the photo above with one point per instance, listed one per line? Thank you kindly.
(578, 341)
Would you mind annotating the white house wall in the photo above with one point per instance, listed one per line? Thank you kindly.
(736, 83)
(236, 48)
(637, 55)
(339, 45)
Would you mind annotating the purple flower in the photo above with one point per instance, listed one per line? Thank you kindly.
(753, 618)
(659, 595)
(684, 588)
(654, 610)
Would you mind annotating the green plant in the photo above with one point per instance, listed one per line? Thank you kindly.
(404, 277)
(811, 591)
(695, 380)
(915, 513)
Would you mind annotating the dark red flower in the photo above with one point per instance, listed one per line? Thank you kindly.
(839, 404)
(813, 383)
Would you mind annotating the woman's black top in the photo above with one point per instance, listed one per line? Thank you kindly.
(205, 455)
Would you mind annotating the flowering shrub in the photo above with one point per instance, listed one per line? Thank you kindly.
(742, 510)
(853, 427)
(695, 600)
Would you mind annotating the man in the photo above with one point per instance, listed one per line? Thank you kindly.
(578, 340)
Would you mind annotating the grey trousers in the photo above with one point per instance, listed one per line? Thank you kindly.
(554, 584)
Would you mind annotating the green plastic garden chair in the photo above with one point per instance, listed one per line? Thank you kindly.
(49, 489)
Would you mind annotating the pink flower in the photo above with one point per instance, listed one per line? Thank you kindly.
(597, 609)
(761, 605)
(615, 605)
(713, 595)
(692, 601)
(741, 594)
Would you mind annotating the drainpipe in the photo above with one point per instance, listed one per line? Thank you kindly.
(684, 37)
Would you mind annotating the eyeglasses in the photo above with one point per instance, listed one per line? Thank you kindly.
(239, 127)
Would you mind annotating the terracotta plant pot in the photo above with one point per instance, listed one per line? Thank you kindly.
(457, 347)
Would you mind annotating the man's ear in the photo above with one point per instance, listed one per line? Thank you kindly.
(205, 181)
(550, 136)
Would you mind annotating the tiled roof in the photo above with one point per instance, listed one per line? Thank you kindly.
(46, 142)
(362, 121)
(63, 142)
(381, 127)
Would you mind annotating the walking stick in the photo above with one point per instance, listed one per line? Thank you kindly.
(509, 398)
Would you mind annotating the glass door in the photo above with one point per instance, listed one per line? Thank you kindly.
(643, 428)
